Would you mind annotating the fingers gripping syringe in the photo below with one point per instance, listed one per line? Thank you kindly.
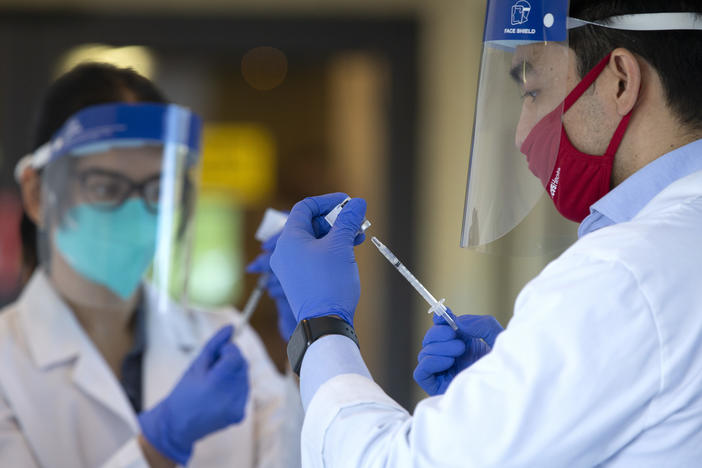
(272, 224)
(437, 307)
(333, 214)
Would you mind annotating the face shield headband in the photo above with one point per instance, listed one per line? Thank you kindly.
(99, 128)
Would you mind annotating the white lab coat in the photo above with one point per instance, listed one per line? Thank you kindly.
(61, 406)
(601, 365)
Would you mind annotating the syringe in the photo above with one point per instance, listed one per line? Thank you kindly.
(252, 302)
(437, 307)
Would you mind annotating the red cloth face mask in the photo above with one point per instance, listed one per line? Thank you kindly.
(578, 179)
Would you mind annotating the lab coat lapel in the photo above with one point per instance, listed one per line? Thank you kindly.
(55, 337)
(93, 376)
(172, 344)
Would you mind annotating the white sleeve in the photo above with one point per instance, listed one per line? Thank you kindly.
(329, 356)
(568, 383)
(277, 408)
(14, 449)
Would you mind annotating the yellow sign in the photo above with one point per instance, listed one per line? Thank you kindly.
(238, 160)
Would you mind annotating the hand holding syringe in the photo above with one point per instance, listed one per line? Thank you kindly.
(274, 222)
(271, 225)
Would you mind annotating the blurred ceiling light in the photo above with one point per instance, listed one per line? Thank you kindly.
(264, 68)
(141, 59)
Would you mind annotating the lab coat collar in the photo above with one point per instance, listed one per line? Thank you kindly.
(682, 191)
(55, 337)
(52, 331)
(629, 198)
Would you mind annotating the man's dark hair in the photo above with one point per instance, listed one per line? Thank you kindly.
(675, 55)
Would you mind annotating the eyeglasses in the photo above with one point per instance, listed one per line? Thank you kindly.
(108, 189)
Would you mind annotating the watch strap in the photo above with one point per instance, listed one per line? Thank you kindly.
(310, 330)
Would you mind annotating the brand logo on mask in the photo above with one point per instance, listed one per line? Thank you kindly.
(520, 12)
(554, 183)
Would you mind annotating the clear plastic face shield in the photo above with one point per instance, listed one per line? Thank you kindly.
(524, 77)
(118, 190)
(528, 81)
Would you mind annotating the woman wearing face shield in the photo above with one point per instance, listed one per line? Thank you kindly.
(103, 363)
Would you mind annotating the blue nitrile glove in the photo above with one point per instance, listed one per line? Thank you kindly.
(446, 352)
(261, 265)
(210, 396)
(318, 271)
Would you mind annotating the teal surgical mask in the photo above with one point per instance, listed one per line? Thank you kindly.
(113, 247)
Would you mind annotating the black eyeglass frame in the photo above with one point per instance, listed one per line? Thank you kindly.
(141, 188)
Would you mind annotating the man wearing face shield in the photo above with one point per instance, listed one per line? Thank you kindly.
(103, 361)
(600, 364)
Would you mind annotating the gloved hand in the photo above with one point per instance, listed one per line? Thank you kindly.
(318, 271)
(211, 395)
(261, 265)
(446, 352)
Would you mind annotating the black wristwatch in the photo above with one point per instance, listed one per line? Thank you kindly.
(310, 330)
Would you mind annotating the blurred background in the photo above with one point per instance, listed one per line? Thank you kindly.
(299, 97)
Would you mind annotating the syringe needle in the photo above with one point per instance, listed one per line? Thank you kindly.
(437, 307)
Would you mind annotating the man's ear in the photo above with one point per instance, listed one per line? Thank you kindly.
(30, 183)
(627, 71)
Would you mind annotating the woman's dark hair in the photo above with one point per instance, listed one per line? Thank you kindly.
(88, 85)
(84, 86)
(675, 55)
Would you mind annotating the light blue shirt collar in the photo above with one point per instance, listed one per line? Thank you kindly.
(627, 199)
